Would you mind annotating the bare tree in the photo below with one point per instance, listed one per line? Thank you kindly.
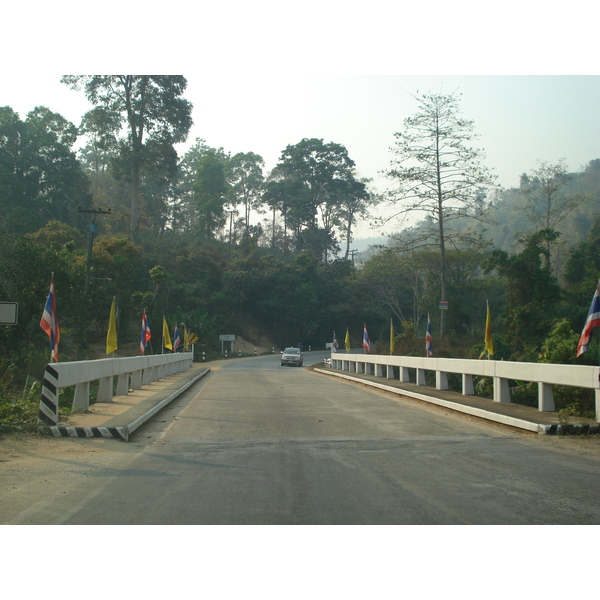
(438, 173)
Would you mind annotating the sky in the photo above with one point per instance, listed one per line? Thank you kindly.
(341, 76)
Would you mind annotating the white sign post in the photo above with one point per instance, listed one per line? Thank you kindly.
(227, 338)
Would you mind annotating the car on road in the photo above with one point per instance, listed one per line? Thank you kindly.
(292, 357)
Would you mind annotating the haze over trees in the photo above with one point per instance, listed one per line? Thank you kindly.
(213, 241)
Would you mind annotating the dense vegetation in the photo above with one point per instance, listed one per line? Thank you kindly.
(211, 241)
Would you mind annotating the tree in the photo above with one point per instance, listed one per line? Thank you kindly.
(149, 104)
(438, 173)
(40, 177)
(245, 176)
(545, 204)
(210, 189)
(324, 171)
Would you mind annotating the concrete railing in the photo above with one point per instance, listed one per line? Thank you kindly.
(544, 374)
(131, 373)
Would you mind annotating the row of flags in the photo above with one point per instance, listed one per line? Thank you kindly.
(49, 323)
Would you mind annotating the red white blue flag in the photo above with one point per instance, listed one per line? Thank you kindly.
(593, 320)
(49, 322)
(428, 339)
(176, 339)
(146, 334)
(366, 341)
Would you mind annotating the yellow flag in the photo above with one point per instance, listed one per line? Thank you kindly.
(489, 345)
(347, 340)
(166, 336)
(111, 336)
(186, 339)
(392, 336)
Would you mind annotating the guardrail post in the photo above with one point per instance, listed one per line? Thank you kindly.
(378, 370)
(81, 399)
(390, 372)
(441, 380)
(147, 376)
(545, 397)
(123, 384)
(421, 377)
(404, 375)
(105, 389)
(360, 367)
(467, 385)
(501, 390)
(136, 380)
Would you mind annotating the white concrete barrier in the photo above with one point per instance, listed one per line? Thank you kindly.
(544, 374)
(131, 373)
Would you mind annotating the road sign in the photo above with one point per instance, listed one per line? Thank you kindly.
(443, 304)
(227, 338)
(9, 312)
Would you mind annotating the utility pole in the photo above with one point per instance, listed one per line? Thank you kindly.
(352, 252)
(93, 212)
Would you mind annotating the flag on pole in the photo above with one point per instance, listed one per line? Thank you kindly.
(111, 336)
(592, 320)
(176, 339)
(146, 335)
(335, 343)
(428, 338)
(49, 321)
(166, 335)
(392, 337)
(366, 341)
(347, 340)
(489, 344)
(186, 339)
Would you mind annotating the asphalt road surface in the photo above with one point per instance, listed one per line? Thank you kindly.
(257, 443)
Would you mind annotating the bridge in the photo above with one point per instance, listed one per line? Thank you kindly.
(145, 385)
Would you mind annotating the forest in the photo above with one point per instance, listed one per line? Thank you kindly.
(212, 242)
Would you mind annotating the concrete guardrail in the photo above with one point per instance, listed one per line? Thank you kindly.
(131, 373)
(544, 374)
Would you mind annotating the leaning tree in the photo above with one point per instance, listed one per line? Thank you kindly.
(437, 173)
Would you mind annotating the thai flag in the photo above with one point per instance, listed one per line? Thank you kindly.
(176, 339)
(335, 343)
(428, 339)
(49, 322)
(593, 320)
(146, 335)
(366, 342)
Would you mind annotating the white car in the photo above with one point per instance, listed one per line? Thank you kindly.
(292, 357)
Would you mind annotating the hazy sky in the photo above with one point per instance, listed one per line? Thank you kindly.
(258, 84)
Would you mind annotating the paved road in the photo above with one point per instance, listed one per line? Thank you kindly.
(255, 443)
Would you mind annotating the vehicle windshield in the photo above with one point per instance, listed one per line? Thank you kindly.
(292, 351)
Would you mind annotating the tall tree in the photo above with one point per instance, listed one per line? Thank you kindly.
(152, 107)
(210, 189)
(321, 169)
(545, 203)
(40, 177)
(245, 176)
(438, 173)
